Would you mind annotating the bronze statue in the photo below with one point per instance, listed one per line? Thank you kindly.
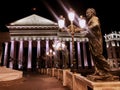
(102, 68)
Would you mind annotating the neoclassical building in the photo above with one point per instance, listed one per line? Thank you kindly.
(33, 36)
(113, 48)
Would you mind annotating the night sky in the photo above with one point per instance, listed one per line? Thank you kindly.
(107, 11)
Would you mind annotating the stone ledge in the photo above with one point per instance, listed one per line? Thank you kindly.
(100, 85)
(7, 74)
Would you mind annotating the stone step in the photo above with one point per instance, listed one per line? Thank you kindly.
(7, 74)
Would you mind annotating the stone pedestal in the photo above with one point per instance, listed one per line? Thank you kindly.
(111, 85)
(100, 85)
(64, 76)
(103, 78)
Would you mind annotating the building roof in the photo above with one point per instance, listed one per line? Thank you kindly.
(33, 20)
(36, 27)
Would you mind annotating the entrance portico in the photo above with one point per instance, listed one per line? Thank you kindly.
(33, 36)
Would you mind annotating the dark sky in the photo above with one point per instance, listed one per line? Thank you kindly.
(107, 10)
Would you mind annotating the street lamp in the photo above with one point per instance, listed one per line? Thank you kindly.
(50, 54)
(59, 45)
(72, 29)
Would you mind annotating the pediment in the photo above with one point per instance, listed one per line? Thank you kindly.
(33, 20)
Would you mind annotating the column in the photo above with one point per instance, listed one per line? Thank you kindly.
(85, 54)
(20, 56)
(79, 54)
(12, 51)
(38, 52)
(6, 54)
(29, 54)
(113, 49)
(47, 49)
(71, 56)
(38, 48)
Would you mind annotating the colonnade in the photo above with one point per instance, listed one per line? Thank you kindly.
(26, 54)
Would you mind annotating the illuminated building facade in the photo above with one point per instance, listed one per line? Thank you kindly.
(32, 37)
(113, 48)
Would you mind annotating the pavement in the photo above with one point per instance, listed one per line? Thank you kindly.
(33, 81)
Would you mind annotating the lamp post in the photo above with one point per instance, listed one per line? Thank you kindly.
(72, 29)
(50, 54)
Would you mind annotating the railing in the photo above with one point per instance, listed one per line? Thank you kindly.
(69, 80)
(75, 81)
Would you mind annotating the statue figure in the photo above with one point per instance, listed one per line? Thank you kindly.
(93, 32)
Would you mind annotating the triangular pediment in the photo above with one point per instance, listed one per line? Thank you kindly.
(33, 20)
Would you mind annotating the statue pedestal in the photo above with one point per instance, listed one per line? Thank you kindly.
(87, 84)
(103, 78)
